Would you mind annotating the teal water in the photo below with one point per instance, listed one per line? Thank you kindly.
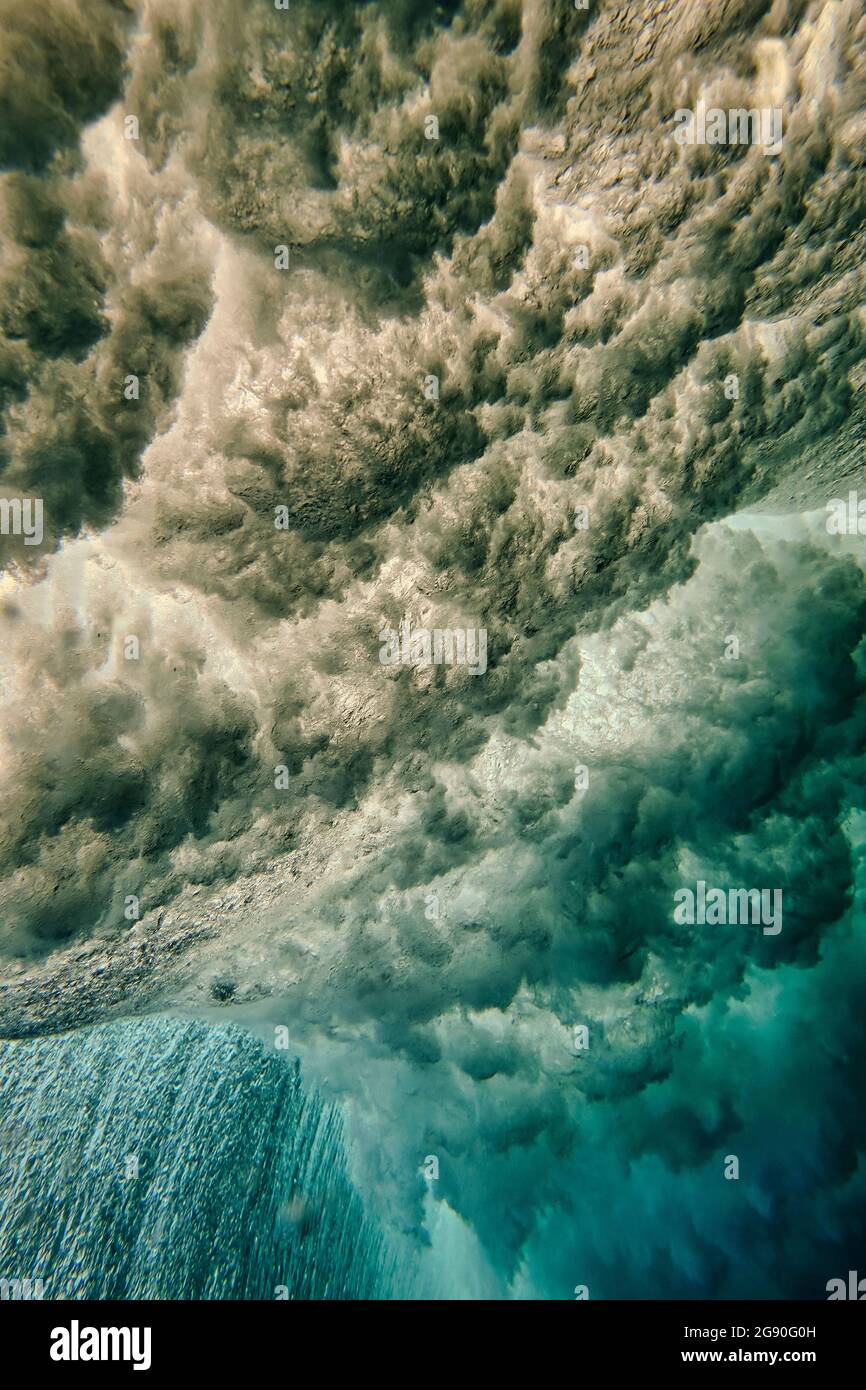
(170, 1159)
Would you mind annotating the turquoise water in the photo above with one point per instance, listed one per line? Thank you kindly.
(170, 1159)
